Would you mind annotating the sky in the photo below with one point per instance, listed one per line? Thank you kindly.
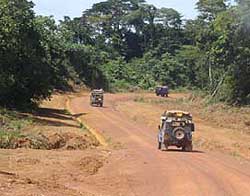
(74, 8)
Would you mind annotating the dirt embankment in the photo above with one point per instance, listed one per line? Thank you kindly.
(50, 127)
(50, 151)
(131, 165)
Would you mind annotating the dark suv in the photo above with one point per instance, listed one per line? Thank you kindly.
(162, 91)
(96, 98)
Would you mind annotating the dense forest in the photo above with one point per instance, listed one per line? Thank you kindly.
(125, 44)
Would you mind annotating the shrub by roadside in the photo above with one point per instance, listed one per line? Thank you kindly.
(13, 134)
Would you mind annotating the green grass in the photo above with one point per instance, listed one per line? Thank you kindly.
(8, 138)
(181, 90)
(9, 133)
(11, 125)
(83, 127)
(140, 100)
(151, 101)
(67, 112)
(11, 120)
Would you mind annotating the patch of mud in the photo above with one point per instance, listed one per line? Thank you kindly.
(91, 165)
(67, 141)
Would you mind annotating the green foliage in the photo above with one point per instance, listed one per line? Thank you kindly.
(11, 124)
(86, 62)
(123, 45)
(30, 58)
(12, 121)
(7, 139)
(209, 9)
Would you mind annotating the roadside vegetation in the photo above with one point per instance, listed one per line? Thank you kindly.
(215, 114)
(52, 148)
(11, 124)
(42, 130)
(125, 44)
(219, 127)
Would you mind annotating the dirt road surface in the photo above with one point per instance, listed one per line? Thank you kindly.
(137, 168)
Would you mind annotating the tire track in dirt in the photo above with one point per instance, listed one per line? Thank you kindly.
(200, 161)
(94, 132)
(147, 171)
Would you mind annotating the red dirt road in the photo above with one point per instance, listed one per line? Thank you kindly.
(137, 168)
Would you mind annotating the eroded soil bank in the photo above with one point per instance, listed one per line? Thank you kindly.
(71, 161)
(49, 153)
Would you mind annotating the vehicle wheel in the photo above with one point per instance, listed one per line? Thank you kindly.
(159, 145)
(166, 146)
(188, 147)
(101, 105)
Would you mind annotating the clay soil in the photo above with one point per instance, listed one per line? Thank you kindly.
(130, 164)
(55, 152)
